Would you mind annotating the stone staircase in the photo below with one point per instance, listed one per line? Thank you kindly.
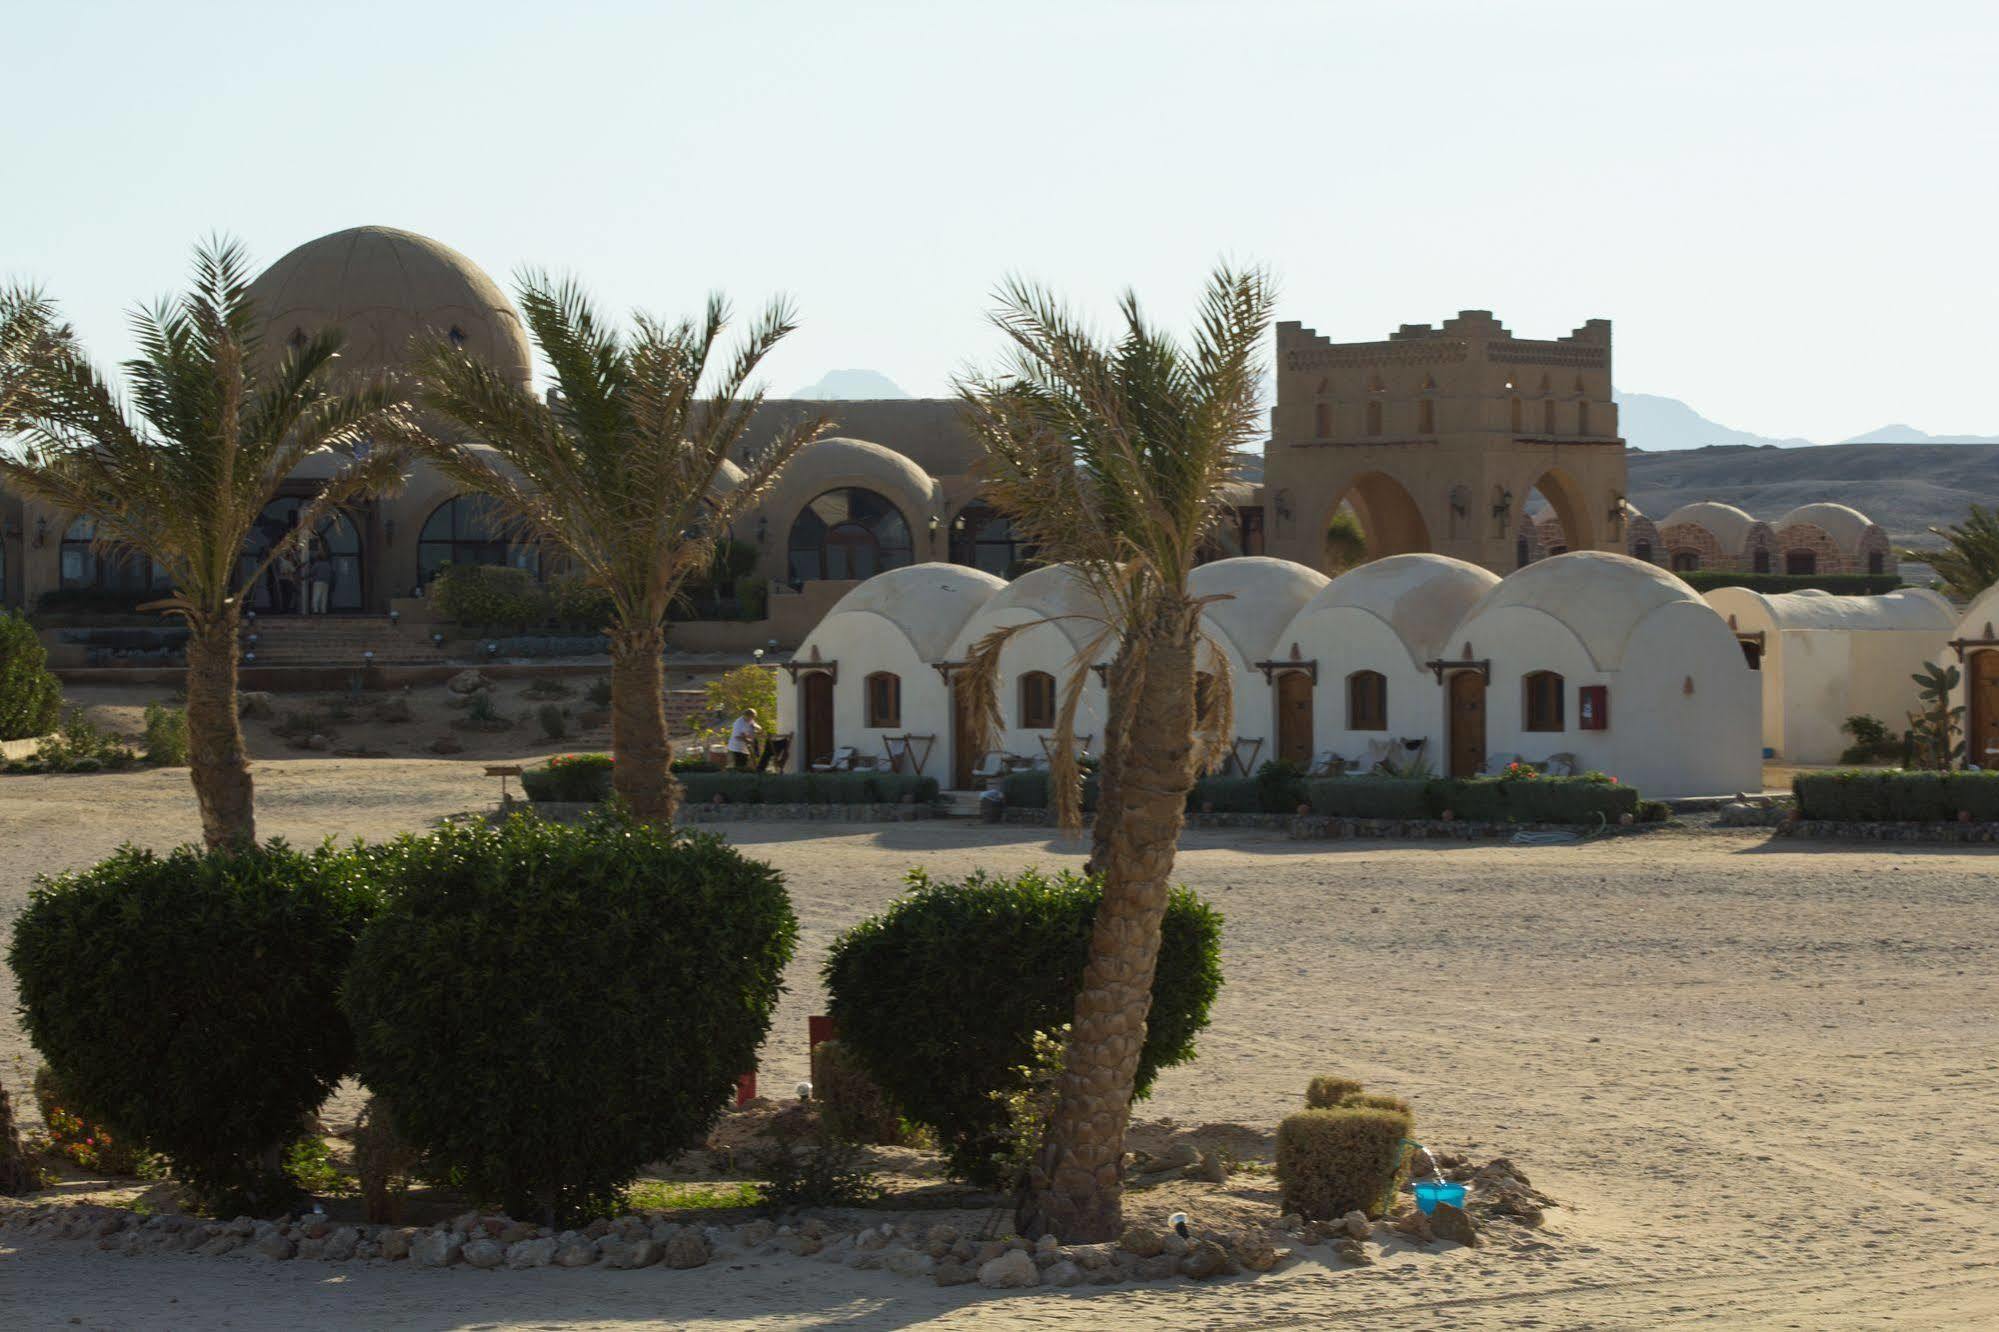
(338, 640)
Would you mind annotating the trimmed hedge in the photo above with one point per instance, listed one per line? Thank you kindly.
(188, 1001)
(1346, 1159)
(30, 696)
(1477, 799)
(1889, 797)
(1845, 585)
(571, 777)
(1029, 790)
(940, 996)
(545, 1008)
(808, 788)
(1369, 797)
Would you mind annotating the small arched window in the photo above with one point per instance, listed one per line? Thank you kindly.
(1685, 561)
(1037, 701)
(1322, 420)
(1801, 563)
(1519, 419)
(1582, 418)
(884, 699)
(1548, 416)
(1877, 563)
(1760, 561)
(1426, 417)
(1642, 550)
(1367, 701)
(1542, 701)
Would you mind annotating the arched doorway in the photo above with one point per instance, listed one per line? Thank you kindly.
(1386, 515)
(334, 536)
(848, 534)
(1467, 722)
(1294, 716)
(815, 719)
(1981, 735)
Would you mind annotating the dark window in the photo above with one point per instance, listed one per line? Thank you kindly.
(85, 568)
(1518, 424)
(848, 533)
(457, 336)
(336, 538)
(1374, 418)
(1522, 554)
(984, 538)
(1800, 562)
(1037, 701)
(884, 690)
(1685, 561)
(1249, 521)
(1582, 418)
(1877, 562)
(1548, 417)
(1426, 417)
(1543, 690)
(1642, 550)
(472, 529)
(1322, 420)
(1760, 562)
(1367, 701)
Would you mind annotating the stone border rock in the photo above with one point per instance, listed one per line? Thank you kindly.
(1831, 830)
(1310, 827)
(573, 811)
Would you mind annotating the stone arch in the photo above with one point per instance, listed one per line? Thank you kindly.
(1388, 514)
(1569, 506)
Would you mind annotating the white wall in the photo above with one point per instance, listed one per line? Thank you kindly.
(1043, 647)
(1345, 639)
(862, 643)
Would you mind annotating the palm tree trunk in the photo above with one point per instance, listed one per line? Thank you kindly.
(641, 757)
(217, 762)
(1117, 724)
(1074, 1191)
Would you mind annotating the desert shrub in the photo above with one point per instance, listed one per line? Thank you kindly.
(1369, 797)
(1323, 1093)
(481, 595)
(1361, 1100)
(1331, 1162)
(569, 777)
(482, 709)
(1897, 795)
(546, 1008)
(1654, 811)
(1872, 741)
(806, 1162)
(554, 721)
(166, 735)
(384, 1165)
(598, 695)
(547, 688)
(576, 604)
(78, 745)
(30, 694)
(851, 1104)
(187, 1001)
(940, 996)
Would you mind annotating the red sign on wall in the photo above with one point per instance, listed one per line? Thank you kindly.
(1593, 705)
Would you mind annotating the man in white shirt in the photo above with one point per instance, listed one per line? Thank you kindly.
(742, 739)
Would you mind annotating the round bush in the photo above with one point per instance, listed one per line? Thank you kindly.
(30, 696)
(188, 1001)
(547, 1008)
(940, 996)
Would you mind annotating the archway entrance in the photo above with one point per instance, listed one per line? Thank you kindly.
(1467, 723)
(334, 537)
(816, 720)
(1294, 716)
(1981, 736)
(1554, 518)
(1388, 519)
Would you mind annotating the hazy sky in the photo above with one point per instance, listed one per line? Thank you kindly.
(1788, 209)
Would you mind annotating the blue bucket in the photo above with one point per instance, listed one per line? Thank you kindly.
(1430, 1192)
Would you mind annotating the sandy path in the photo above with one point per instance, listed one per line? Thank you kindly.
(1763, 1079)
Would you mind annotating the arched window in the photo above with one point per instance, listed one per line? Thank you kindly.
(335, 538)
(1373, 417)
(1760, 561)
(1877, 562)
(849, 533)
(884, 698)
(1542, 701)
(84, 568)
(471, 529)
(1367, 701)
(984, 538)
(1801, 562)
(1426, 416)
(1642, 550)
(1685, 561)
(1322, 420)
(1037, 701)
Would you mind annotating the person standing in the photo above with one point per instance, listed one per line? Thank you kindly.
(320, 573)
(742, 739)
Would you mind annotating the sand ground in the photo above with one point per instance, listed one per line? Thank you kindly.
(1760, 1076)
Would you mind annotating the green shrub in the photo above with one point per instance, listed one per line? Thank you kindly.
(1569, 799)
(598, 695)
(187, 1001)
(1280, 786)
(728, 695)
(1226, 795)
(1897, 796)
(576, 604)
(570, 777)
(166, 735)
(1369, 797)
(852, 1105)
(1872, 741)
(808, 788)
(1474, 799)
(1323, 1093)
(1029, 790)
(482, 595)
(545, 1008)
(807, 1163)
(1331, 1162)
(76, 1135)
(30, 694)
(554, 721)
(940, 996)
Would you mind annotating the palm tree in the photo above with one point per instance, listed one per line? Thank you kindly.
(216, 425)
(1115, 458)
(617, 472)
(1969, 560)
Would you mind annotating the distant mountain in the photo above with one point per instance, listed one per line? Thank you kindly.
(1907, 434)
(1907, 488)
(1653, 423)
(851, 386)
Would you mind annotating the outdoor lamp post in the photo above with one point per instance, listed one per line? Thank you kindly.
(395, 617)
(437, 639)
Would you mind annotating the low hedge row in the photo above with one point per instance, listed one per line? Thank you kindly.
(1484, 799)
(1892, 797)
(1029, 790)
(808, 788)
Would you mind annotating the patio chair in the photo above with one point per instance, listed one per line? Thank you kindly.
(1326, 764)
(841, 760)
(1378, 756)
(1497, 763)
(991, 767)
(1559, 765)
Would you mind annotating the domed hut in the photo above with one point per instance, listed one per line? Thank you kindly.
(1610, 664)
(1256, 598)
(1831, 539)
(1824, 658)
(1975, 650)
(1714, 536)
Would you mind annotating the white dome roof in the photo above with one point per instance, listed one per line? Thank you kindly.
(930, 603)
(1908, 608)
(1844, 525)
(1055, 592)
(1421, 597)
(727, 477)
(1599, 596)
(1264, 595)
(827, 464)
(1728, 524)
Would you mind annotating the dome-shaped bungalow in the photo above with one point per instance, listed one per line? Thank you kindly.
(1257, 598)
(1612, 661)
(1824, 658)
(1371, 635)
(1711, 535)
(868, 673)
(1831, 539)
(1976, 650)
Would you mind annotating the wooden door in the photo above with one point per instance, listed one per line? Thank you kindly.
(964, 737)
(817, 731)
(1294, 717)
(1981, 736)
(1467, 723)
